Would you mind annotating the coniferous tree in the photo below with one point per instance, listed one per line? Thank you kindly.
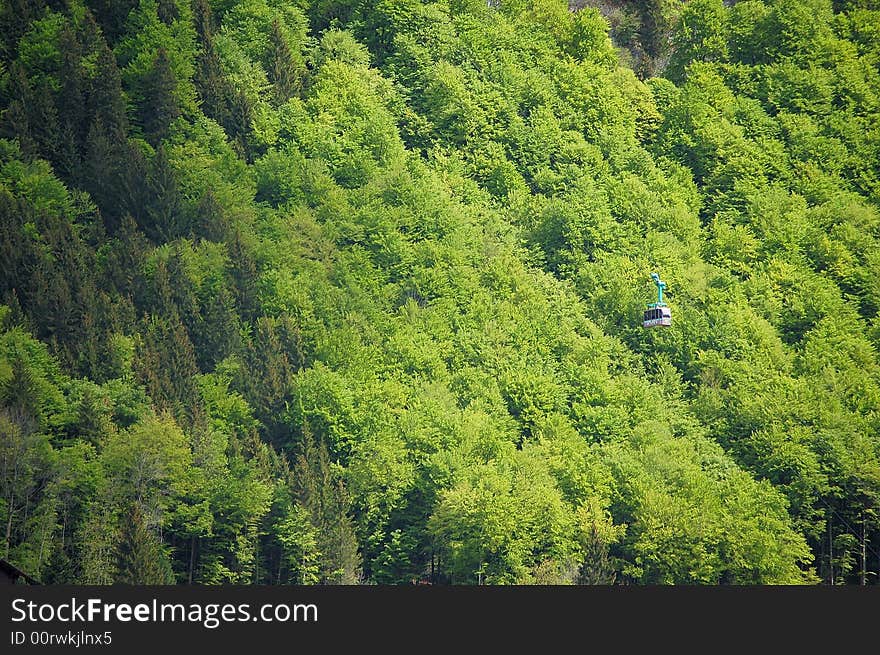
(166, 218)
(167, 365)
(20, 395)
(133, 192)
(43, 122)
(203, 20)
(17, 255)
(283, 70)
(214, 91)
(167, 11)
(324, 496)
(105, 100)
(597, 567)
(24, 474)
(100, 169)
(218, 334)
(112, 15)
(124, 259)
(210, 221)
(243, 269)
(269, 389)
(91, 419)
(158, 105)
(15, 120)
(15, 16)
(70, 103)
(238, 121)
(94, 127)
(141, 559)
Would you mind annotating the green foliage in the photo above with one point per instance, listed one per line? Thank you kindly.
(343, 292)
(700, 36)
(141, 559)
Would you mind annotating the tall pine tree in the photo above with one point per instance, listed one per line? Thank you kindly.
(322, 493)
(284, 71)
(141, 560)
(158, 105)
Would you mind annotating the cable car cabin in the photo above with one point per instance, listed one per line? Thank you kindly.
(657, 316)
(658, 313)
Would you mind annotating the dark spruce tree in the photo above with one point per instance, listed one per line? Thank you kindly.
(284, 72)
(158, 105)
(322, 493)
(141, 559)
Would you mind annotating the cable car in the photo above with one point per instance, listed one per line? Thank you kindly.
(658, 313)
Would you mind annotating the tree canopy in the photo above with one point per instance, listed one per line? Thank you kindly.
(351, 292)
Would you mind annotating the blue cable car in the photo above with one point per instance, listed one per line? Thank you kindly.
(658, 313)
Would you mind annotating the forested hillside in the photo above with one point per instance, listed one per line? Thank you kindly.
(351, 292)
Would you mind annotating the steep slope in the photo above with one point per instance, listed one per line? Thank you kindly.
(339, 292)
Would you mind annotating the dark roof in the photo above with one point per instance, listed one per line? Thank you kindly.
(13, 572)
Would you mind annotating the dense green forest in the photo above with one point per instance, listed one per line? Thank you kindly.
(350, 292)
